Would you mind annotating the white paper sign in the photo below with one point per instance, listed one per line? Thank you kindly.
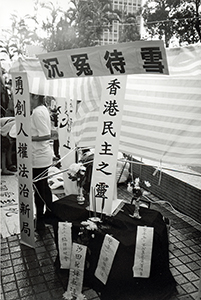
(107, 254)
(65, 244)
(76, 274)
(143, 252)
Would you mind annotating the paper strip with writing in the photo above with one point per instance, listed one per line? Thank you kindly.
(76, 274)
(143, 252)
(65, 244)
(107, 254)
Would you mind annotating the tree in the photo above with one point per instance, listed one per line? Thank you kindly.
(60, 34)
(91, 18)
(129, 30)
(187, 24)
(173, 18)
(20, 35)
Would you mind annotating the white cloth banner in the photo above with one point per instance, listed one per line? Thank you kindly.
(24, 157)
(143, 252)
(65, 244)
(107, 254)
(107, 142)
(76, 270)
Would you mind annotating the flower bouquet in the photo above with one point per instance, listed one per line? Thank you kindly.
(137, 192)
(135, 189)
(76, 172)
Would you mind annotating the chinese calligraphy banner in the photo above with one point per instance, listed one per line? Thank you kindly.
(107, 142)
(66, 114)
(143, 251)
(24, 157)
(140, 57)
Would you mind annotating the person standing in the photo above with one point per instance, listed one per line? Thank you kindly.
(42, 156)
(8, 145)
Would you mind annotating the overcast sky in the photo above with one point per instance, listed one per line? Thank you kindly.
(22, 7)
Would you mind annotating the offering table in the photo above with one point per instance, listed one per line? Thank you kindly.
(123, 228)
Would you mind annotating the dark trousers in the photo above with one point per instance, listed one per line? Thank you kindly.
(43, 194)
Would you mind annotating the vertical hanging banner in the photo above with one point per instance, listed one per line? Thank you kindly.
(107, 144)
(24, 157)
(66, 115)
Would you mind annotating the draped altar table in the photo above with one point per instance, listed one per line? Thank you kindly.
(123, 228)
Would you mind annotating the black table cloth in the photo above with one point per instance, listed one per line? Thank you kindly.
(124, 229)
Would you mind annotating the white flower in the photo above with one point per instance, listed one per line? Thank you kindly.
(129, 188)
(89, 225)
(73, 169)
(67, 296)
(81, 297)
(147, 183)
(76, 172)
(137, 183)
(82, 169)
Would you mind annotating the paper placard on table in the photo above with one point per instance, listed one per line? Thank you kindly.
(65, 244)
(76, 274)
(107, 254)
(143, 251)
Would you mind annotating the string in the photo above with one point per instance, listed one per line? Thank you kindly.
(161, 202)
(40, 176)
(163, 168)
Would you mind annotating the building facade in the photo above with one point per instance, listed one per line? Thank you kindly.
(125, 6)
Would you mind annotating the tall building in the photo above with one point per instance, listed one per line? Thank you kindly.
(125, 6)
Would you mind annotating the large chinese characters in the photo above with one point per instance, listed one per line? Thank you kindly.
(106, 150)
(140, 57)
(24, 157)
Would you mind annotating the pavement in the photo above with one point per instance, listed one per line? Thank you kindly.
(28, 274)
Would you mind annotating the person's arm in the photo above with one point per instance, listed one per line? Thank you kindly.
(41, 138)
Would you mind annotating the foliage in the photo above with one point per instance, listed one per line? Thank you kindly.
(82, 25)
(173, 18)
(129, 28)
(20, 35)
(90, 18)
(60, 34)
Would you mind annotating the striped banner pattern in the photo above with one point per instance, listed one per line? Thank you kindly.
(162, 113)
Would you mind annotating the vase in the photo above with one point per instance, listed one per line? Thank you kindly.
(80, 196)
